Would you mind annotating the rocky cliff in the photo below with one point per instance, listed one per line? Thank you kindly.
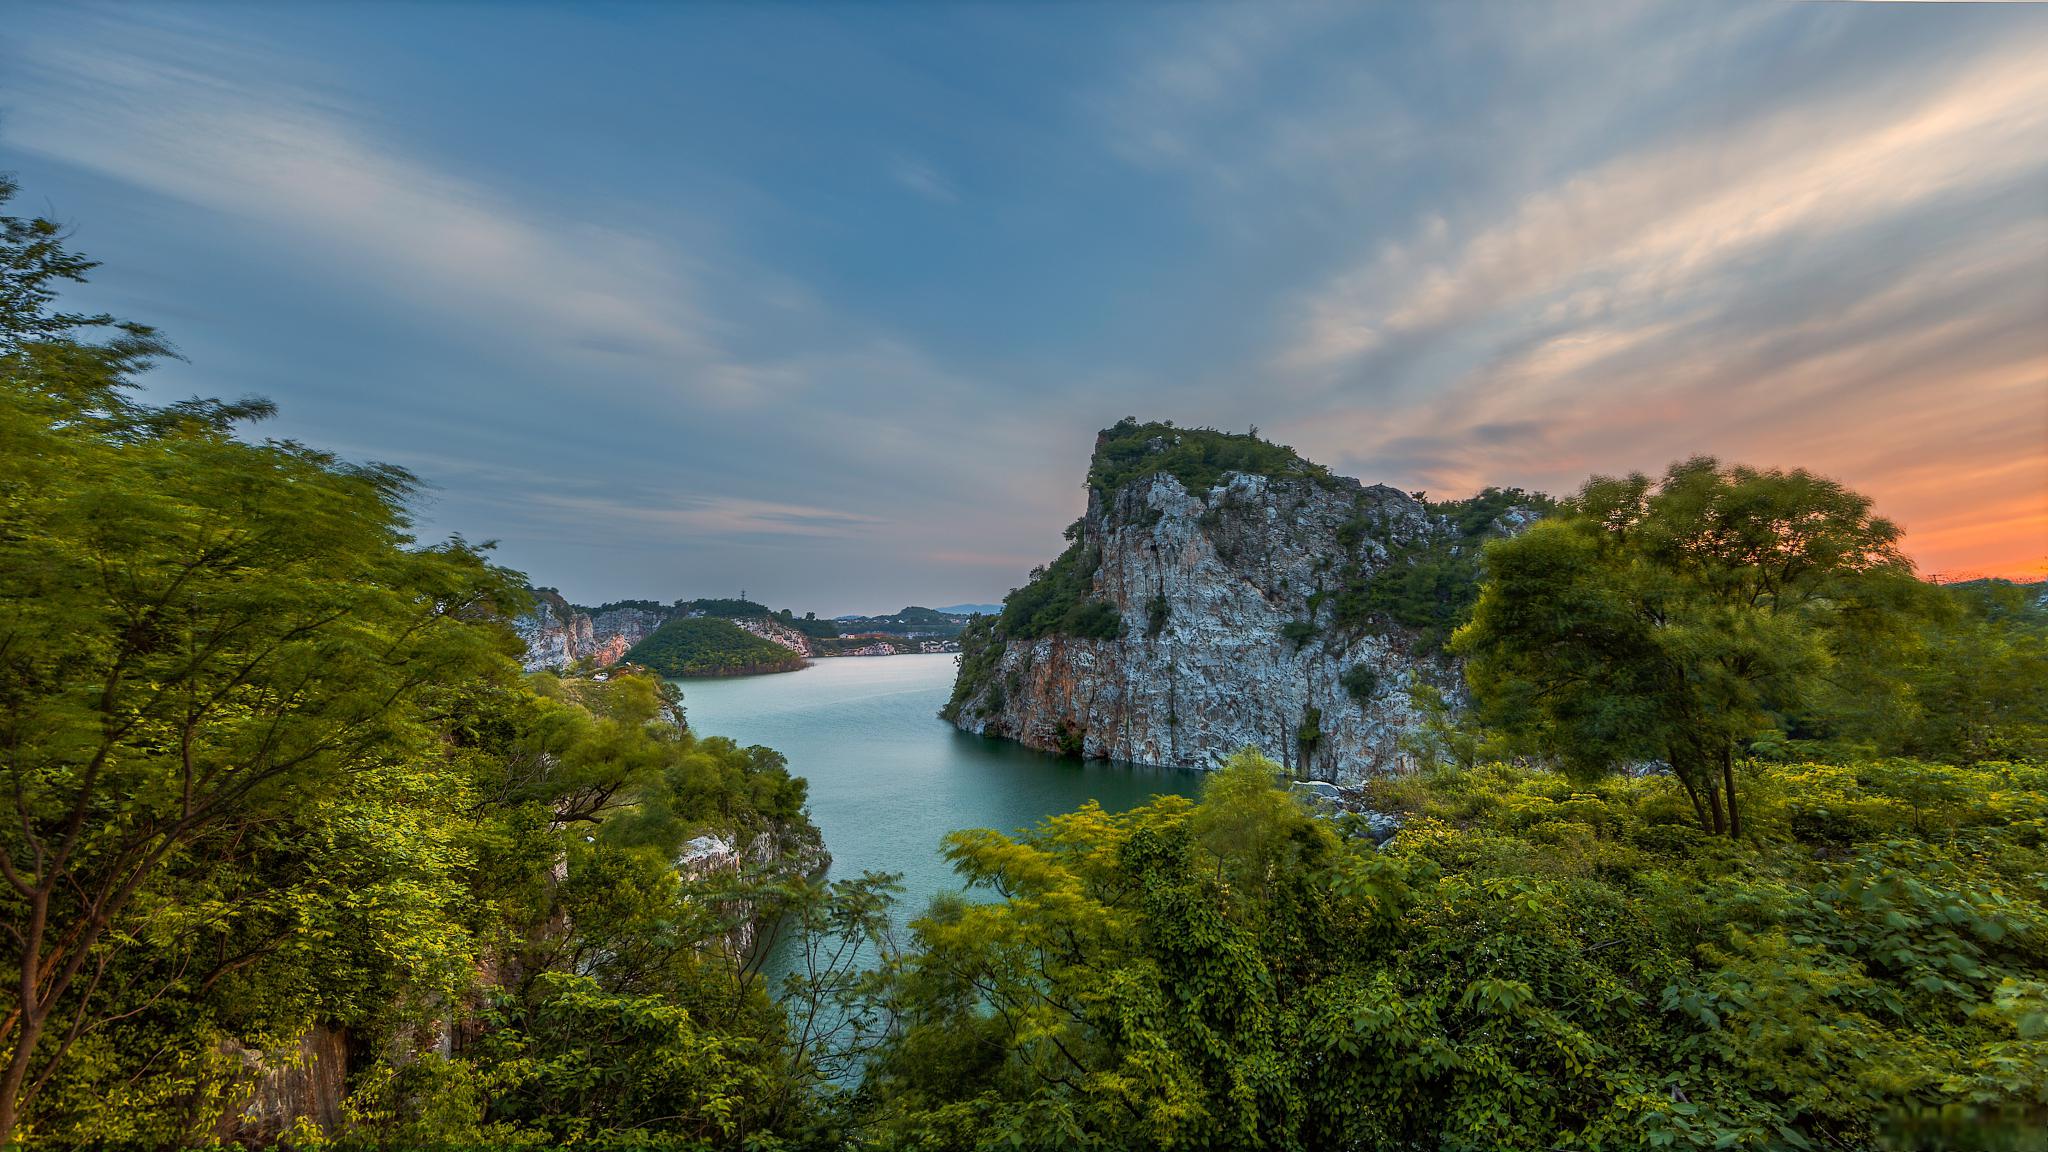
(558, 633)
(1204, 607)
(775, 632)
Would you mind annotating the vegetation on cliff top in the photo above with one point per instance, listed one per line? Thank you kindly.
(1197, 457)
(710, 646)
(1058, 598)
(1427, 584)
(731, 608)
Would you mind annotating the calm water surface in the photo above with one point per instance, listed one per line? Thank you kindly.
(889, 778)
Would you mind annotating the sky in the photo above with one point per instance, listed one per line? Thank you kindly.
(827, 303)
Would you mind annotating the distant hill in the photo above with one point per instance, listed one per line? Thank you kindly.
(911, 621)
(972, 609)
(710, 646)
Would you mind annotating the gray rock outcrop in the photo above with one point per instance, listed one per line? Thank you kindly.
(1230, 634)
(557, 634)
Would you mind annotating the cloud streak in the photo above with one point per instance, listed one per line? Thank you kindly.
(1849, 284)
(724, 316)
(227, 133)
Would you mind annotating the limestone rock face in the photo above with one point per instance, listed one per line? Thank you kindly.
(557, 634)
(1229, 633)
(783, 850)
(776, 632)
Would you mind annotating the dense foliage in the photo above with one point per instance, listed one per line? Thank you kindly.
(731, 608)
(279, 793)
(1958, 679)
(1428, 583)
(1197, 457)
(1530, 963)
(1675, 620)
(981, 653)
(622, 605)
(1059, 599)
(276, 786)
(710, 646)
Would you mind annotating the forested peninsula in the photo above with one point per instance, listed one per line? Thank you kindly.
(710, 646)
(1713, 826)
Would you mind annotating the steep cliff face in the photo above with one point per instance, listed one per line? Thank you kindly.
(558, 634)
(786, 852)
(776, 632)
(1232, 616)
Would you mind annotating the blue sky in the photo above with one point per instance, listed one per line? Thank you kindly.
(827, 302)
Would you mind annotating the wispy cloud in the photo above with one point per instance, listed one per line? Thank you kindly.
(579, 325)
(923, 180)
(1847, 283)
(709, 515)
(221, 126)
(1635, 232)
(1439, 247)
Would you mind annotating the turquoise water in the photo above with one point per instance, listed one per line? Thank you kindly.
(889, 778)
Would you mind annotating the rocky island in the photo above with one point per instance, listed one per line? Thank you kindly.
(1222, 592)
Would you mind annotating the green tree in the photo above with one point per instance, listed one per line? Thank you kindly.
(198, 637)
(1131, 990)
(1533, 962)
(1965, 680)
(1678, 619)
(274, 775)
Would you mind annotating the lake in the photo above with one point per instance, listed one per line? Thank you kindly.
(889, 778)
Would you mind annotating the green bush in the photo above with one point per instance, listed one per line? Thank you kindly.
(1058, 600)
(1197, 457)
(1309, 733)
(1300, 632)
(981, 652)
(730, 608)
(1361, 683)
(1533, 962)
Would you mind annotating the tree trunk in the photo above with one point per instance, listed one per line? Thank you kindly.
(1728, 782)
(1695, 771)
(26, 1038)
(1699, 808)
(17, 1071)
